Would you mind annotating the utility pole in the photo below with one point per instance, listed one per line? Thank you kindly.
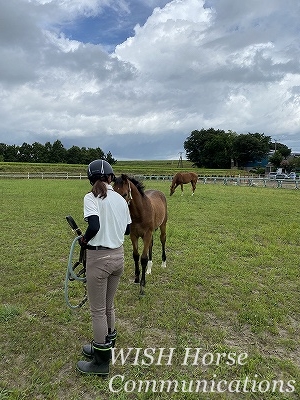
(180, 164)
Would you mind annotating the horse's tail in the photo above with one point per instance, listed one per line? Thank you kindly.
(195, 176)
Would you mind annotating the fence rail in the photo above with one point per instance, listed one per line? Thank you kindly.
(254, 182)
(251, 181)
(41, 175)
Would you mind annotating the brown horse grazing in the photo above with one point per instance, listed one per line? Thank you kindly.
(181, 178)
(148, 210)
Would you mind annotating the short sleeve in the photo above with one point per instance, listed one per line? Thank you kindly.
(89, 205)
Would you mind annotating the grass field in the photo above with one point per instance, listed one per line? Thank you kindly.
(231, 288)
(149, 167)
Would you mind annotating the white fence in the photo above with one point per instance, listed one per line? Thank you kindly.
(41, 175)
(252, 181)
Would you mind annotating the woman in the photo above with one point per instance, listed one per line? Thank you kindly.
(108, 220)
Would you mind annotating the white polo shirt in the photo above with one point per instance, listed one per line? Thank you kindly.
(113, 215)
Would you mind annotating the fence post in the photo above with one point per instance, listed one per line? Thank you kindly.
(296, 184)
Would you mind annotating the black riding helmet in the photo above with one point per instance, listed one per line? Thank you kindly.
(99, 170)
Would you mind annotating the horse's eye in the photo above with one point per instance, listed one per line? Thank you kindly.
(124, 195)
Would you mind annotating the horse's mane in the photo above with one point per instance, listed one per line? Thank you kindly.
(139, 185)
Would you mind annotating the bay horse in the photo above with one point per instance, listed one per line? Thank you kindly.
(148, 210)
(181, 178)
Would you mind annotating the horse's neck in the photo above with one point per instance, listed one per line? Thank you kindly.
(175, 180)
(137, 205)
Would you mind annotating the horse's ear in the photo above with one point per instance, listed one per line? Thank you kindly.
(124, 177)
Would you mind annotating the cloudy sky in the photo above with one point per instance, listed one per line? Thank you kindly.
(136, 77)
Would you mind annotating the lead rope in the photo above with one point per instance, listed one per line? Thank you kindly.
(72, 276)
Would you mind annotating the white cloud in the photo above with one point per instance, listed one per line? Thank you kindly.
(192, 64)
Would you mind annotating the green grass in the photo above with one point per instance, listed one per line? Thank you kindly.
(231, 286)
(150, 167)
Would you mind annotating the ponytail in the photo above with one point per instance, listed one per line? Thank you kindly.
(99, 189)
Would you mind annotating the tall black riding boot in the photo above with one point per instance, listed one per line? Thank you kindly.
(100, 362)
(111, 337)
(87, 349)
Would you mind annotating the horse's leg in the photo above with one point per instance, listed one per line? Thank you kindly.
(136, 258)
(193, 187)
(144, 262)
(163, 236)
(149, 263)
(144, 259)
(181, 185)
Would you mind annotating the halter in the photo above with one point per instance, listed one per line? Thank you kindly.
(129, 194)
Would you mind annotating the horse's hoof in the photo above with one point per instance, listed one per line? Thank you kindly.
(137, 280)
(164, 264)
(142, 291)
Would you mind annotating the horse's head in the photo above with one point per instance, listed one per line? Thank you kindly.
(122, 186)
(172, 189)
(174, 183)
(129, 187)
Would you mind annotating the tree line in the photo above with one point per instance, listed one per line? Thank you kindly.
(211, 148)
(52, 153)
(205, 148)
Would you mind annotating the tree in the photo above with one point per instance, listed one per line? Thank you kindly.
(39, 154)
(2, 151)
(209, 148)
(74, 155)
(94, 154)
(193, 146)
(109, 158)
(282, 148)
(25, 153)
(276, 159)
(217, 152)
(58, 152)
(49, 153)
(11, 153)
(295, 163)
(250, 147)
(216, 148)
